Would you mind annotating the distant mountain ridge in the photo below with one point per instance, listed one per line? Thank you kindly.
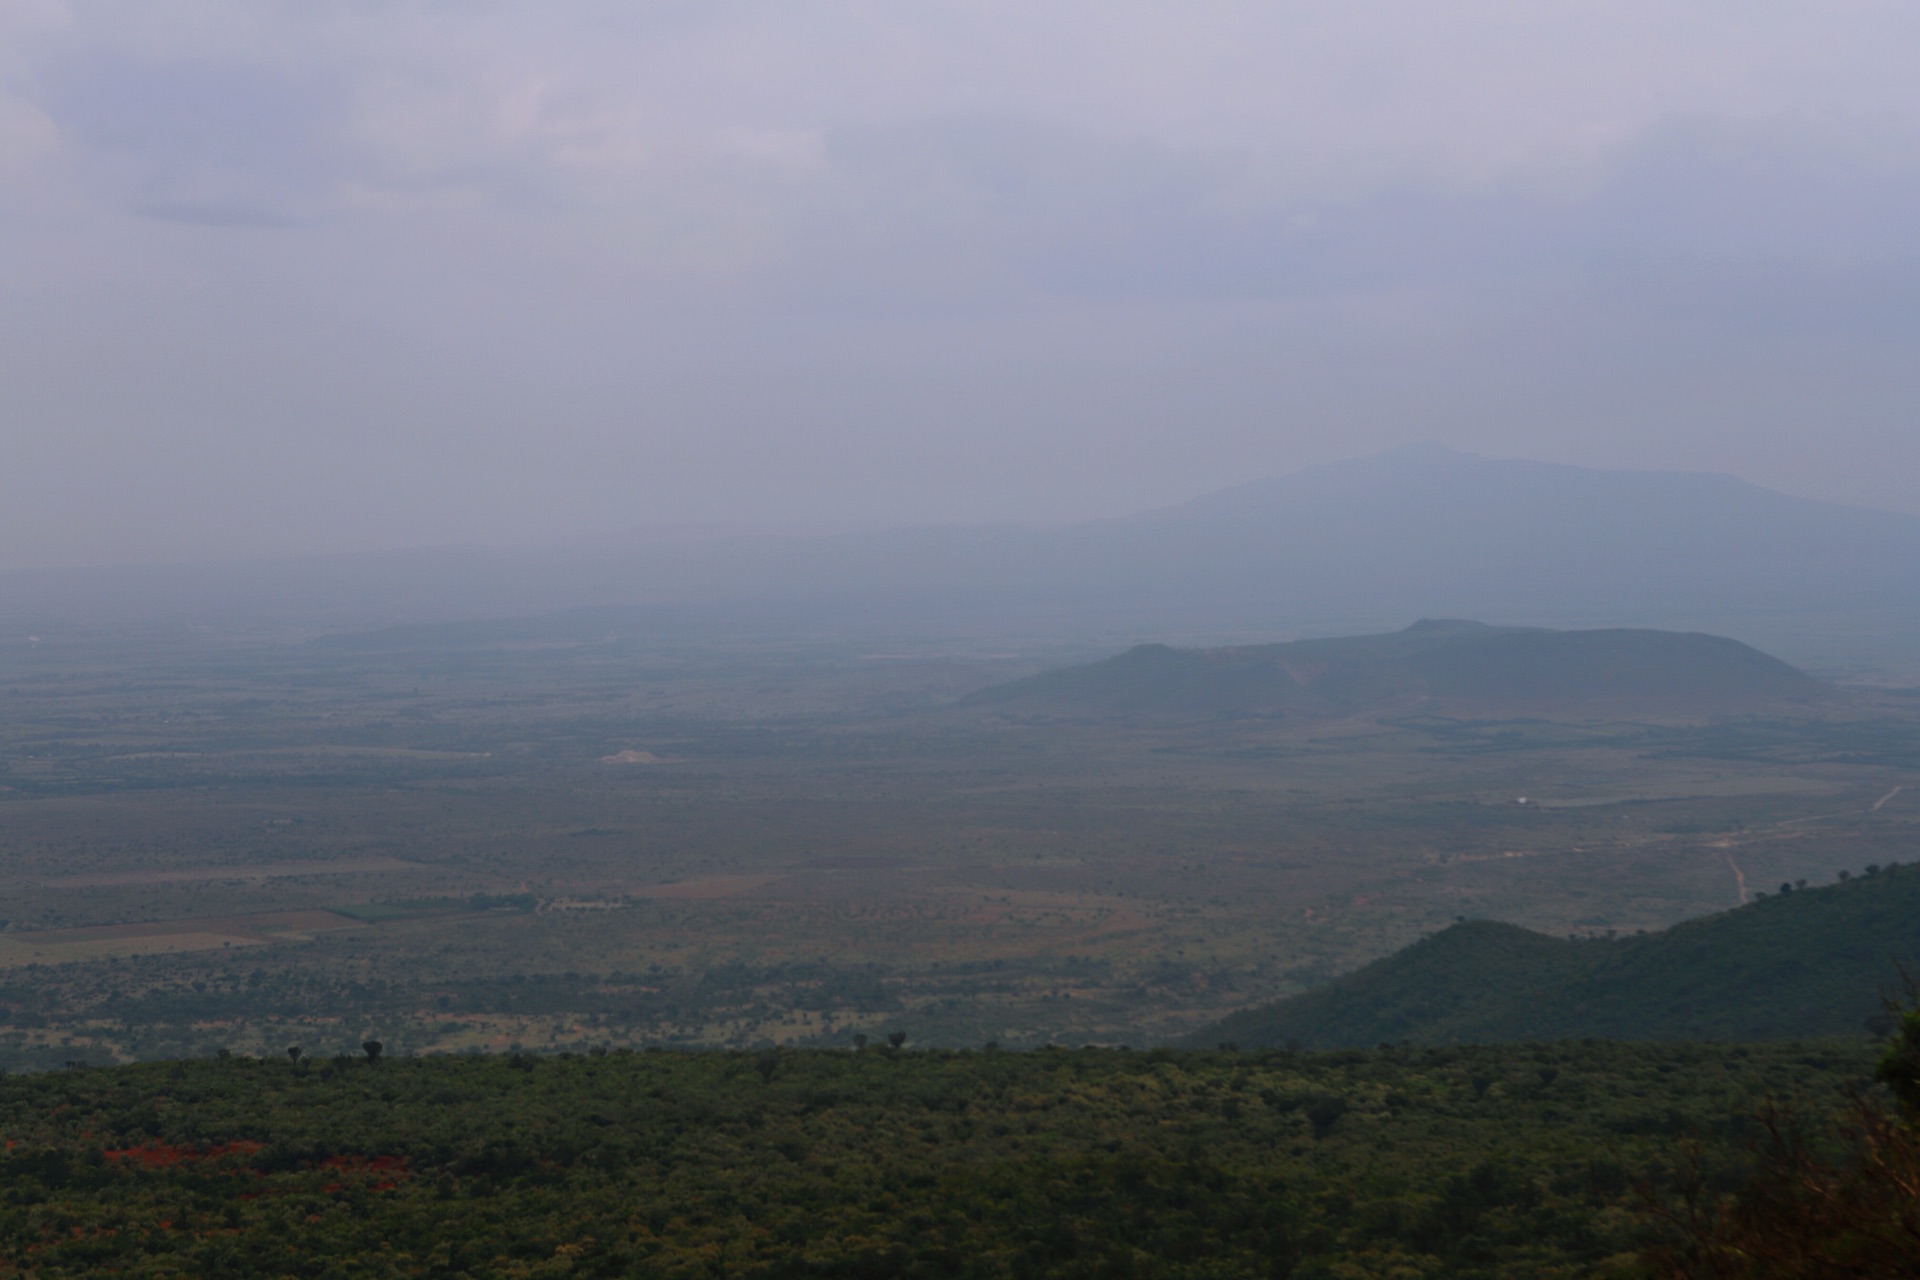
(1808, 963)
(1349, 546)
(1445, 664)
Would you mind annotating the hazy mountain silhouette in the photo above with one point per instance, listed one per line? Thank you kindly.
(1351, 546)
(1436, 665)
(1808, 963)
(1430, 532)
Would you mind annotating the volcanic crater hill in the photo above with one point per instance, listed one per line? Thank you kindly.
(1437, 666)
(1812, 962)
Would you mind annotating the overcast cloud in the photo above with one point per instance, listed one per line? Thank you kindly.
(282, 278)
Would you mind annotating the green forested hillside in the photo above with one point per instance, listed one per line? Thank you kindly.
(1801, 963)
(1515, 1161)
(1435, 662)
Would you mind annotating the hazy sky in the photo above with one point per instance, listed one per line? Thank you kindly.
(341, 275)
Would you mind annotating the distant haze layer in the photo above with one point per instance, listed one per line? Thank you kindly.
(1366, 545)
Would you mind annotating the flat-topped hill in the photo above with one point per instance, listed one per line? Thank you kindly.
(1441, 665)
(1807, 963)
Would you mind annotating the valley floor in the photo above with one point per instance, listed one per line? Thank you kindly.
(247, 845)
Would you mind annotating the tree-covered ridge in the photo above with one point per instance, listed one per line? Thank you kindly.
(1511, 1161)
(1798, 962)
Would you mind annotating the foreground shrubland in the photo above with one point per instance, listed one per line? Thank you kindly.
(1530, 1160)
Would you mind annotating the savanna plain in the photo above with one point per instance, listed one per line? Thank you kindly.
(450, 843)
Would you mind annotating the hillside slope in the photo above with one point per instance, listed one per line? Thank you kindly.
(1438, 665)
(1808, 963)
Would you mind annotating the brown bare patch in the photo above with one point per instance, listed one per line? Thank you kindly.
(154, 937)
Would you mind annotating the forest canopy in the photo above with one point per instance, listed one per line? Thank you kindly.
(1519, 1160)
